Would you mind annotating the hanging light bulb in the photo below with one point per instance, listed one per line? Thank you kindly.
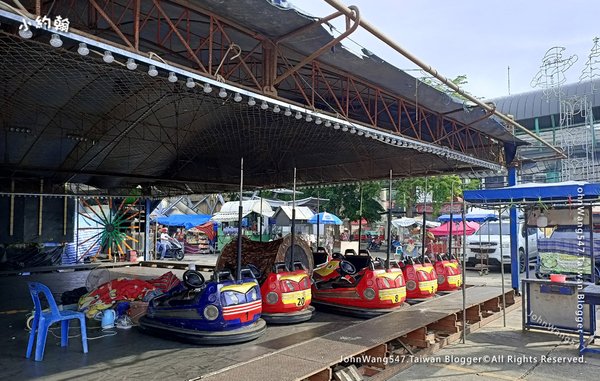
(308, 118)
(264, 105)
(131, 65)
(83, 49)
(222, 93)
(276, 109)
(237, 97)
(359, 132)
(55, 40)
(190, 83)
(327, 123)
(318, 121)
(353, 130)
(206, 88)
(25, 32)
(287, 112)
(336, 126)
(108, 57)
(345, 128)
(298, 115)
(152, 71)
(172, 77)
(251, 101)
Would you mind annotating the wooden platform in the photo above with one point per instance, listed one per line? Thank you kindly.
(413, 326)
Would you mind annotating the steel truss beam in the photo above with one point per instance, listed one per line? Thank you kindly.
(186, 34)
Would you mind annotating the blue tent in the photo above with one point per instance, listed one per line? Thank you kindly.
(477, 217)
(566, 191)
(187, 221)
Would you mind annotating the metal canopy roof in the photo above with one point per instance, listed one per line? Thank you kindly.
(540, 103)
(72, 118)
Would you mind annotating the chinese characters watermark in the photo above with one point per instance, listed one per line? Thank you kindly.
(59, 24)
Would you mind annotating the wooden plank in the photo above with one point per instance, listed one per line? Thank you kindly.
(324, 375)
(448, 324)
(377, 355)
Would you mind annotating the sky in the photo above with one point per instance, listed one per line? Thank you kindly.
(477, 38)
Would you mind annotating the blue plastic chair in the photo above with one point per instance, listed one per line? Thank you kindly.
(43, 320)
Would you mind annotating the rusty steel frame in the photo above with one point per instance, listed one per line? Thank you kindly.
(267, 67)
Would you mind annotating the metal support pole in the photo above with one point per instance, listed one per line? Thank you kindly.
(424, 223)
(260, 217)
(360, 216)
(65, 209)
(318, 227)
(502, 268)
(291, 266)
(389, 224)
(240, 212)
(464, 267)
(77, 229)
(41, 205)
(592, 257)
(451, 222)
(147, 211)
(514, 237)
(11, 222)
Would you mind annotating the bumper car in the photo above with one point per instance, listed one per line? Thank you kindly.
(220, 311)
(287, 295)
(376, 288)
(449, 275)
(285, 288)
(421, 278)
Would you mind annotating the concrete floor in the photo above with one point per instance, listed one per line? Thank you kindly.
(527, 349)
(131, 355)
(128, 354)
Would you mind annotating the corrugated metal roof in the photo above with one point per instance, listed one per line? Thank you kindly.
(539, 103)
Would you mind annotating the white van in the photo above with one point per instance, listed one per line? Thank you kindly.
(487, 241)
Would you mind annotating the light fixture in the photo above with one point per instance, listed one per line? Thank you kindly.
(359, 132)
(55, 40)
(276, 109)
(83, 49)
(107, 57)
(152, 71)
(190, 83)
(172, 77)
(327, 123)
(222, 93)
(345, 128)
(353, 130)
(318, 121)
(287, 112)
(251, 101)
(264, 105)
(207, 88)
(77, 138)
(25, 32)
(131, 65)
(336, 126)
(308, 118)
(237, 97)
(367, 135)
(298, 115)
(20, 130)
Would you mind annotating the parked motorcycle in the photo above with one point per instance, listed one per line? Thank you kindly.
(374, 244)
(174, 251)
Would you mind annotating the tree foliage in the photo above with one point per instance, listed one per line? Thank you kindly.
(459, 80)
(344, 201)
(409, 191)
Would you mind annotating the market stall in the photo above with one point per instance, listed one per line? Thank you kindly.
(566, 207)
